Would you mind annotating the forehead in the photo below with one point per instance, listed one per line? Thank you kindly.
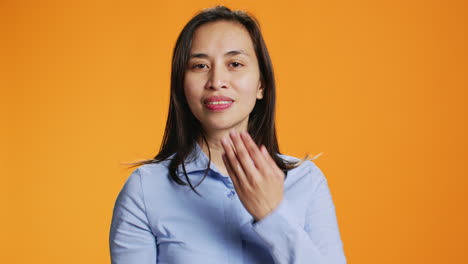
(221, 36)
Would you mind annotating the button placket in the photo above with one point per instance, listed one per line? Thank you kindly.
(231, 194)
(228, 183)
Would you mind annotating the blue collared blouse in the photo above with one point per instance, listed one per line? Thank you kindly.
(155, 220)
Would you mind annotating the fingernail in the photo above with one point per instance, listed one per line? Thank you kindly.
(234, 133)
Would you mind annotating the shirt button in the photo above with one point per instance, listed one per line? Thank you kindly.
(231, 194)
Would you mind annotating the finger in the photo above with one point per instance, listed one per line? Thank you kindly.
(244, 157)
(271, 162)
(254, 152)
(234, 164)
(231, 172)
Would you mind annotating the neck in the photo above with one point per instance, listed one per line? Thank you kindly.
(216, 149)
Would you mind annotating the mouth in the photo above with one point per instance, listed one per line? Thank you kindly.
(217, 103)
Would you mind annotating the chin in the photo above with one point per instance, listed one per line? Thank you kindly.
(221, 124)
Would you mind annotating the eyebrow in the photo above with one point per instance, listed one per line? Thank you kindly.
(229, 53)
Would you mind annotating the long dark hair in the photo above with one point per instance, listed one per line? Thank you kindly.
(183, 129)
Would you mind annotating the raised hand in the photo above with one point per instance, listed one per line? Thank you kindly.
(257, 179)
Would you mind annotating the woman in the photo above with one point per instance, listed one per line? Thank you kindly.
(243, 208)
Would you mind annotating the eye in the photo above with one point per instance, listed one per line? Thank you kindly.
(200, 66)
(236, 64)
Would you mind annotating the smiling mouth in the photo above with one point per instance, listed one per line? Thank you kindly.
(218, 102)
(218, 105)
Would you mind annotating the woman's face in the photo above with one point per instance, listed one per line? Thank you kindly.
(222, 78)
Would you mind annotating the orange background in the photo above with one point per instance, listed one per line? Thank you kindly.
(379, 86)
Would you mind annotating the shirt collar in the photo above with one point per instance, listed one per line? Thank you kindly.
(198, 161)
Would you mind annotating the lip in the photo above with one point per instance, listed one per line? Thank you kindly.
(218, 107)
(217, 98)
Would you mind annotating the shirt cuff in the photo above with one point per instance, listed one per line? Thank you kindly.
(279, 228)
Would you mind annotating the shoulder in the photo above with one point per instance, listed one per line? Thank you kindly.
(145, 174)
(307, 172)
(151, 168)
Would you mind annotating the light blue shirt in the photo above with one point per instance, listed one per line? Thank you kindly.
(155, 220)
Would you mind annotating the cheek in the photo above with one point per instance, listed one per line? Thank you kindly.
(248, 86)
(191, 90)
(193, 103)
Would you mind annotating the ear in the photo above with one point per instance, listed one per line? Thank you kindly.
(260, 90)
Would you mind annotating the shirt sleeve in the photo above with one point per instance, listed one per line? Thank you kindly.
(316, 242)
(131, 239)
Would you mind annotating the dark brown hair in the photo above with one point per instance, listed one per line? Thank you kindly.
(183, 129)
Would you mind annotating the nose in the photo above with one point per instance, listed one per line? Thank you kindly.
(218, 78)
